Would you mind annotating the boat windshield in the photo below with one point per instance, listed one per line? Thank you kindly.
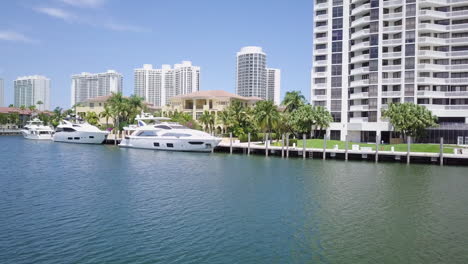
(179, 127)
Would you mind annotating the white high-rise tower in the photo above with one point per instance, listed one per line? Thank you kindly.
(91, 85)
(32, 90)
(251, 72)
(273, 80)
(369, 53)
(157, 86)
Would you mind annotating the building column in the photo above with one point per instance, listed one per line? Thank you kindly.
(194, 109)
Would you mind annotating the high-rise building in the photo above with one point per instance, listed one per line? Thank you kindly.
(32, 90)
(368, 54)
(251, 72)
(91, 85)
(273, 80)
(253, 76)
(2, 94)
(157, 86)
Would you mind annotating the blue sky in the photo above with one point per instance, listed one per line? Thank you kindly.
(58, 38)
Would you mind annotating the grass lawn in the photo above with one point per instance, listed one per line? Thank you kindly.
(318, 143)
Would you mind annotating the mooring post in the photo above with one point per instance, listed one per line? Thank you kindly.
(287, 145)
(230, 142)
(408, 155)
(346, 148)
(282, 145)
(304, 146)
(441, 151)
(248, 144)
(267, 136)
(377, 140)
(324, 147)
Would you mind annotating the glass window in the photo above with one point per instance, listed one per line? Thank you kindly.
(338, 11)
(336, 70)
(337, 46)
(337, 58)
(337, 35)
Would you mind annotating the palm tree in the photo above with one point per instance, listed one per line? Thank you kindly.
(322, 118)
(205, 119)
(11, 105)
(107, 113)
(135, 106)
(224, 119)
(293, 100)
(117, 106)
(92, 118)
(39, 103)
(267, 115)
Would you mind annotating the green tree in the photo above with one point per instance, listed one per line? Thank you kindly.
(224, 119)
(409, 119)
(208, 121)
(293, 100)
(92, 118)
(107, 113)
(57, 115)
(266, 115)
(322, 120)
(11, 106)
(39, 103)
(302, 120)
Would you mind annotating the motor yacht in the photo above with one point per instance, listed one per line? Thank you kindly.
(35, 129)
(165, 135)
(81, 133)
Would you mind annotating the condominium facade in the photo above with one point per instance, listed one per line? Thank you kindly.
(2, 93)
(32, 90)
(87, 85)
(368, 54)
(273, 85)
(157, 86)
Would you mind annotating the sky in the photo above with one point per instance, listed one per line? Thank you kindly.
(58, 38)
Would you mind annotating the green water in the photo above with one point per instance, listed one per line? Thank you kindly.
(65, 203)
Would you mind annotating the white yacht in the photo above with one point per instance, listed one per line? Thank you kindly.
(82, 133)
(165, 135)
(35, 129)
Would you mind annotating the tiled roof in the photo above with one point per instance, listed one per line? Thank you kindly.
(6, 110)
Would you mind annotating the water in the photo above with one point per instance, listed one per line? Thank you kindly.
(65, 203)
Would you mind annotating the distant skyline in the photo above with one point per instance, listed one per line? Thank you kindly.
(59, 38)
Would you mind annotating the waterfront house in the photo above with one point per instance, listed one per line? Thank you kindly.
(213, 101)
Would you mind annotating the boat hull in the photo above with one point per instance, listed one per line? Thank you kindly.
(170, 144)
(80, 137)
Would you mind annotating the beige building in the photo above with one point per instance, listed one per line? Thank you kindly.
(213, 101)
(97, 105)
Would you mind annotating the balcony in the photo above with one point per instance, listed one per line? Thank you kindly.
(459, 67)
(321, 17)
(459, 80)
(391, 68)
(321, 6)
(393, 3)
(459, 40)
(433, 27)
(459, 14)
(360, 21)
(321, 29)
(359, 83)
(320, 74)
(363, 95)
(433, 2)
(428, 14)
(391, 55)
(391, 94)
(359, 108)
(461, 27)
(440, 94)
(360, 9)
(358, 119)
(432, 41)
(319, 86)
(360, 34)
(459, 53)
(362, 70)
(362, 57)
(392, 16)
(391, 81)
(320, 52)
(319, 97)
(392, 29)
(432, 53)
(392, 42)
(433, 67)
(320, 63)
(321, 40)
(360, 46)
(431, 81)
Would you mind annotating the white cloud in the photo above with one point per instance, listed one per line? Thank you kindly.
(14, 36)
(84, 3)
(56, 12)
(122, 27)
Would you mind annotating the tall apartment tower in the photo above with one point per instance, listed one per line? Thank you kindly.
(251, 72)
(29, 90)
(273, 80)
(90, 85)
(157, 86)
(2, 93)
(368, 54)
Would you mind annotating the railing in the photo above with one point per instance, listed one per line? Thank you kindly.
(360, 70)
(392, 28)
(431, 40)
(391, 54)
(391, 93)
(433, 13)
(359, 83)
(358, 119)
(358, 21)
(391, 67)
(359, 9)
(393, 80)
(359, 107)
(359, 95)
(391, 41)
(393, 16)
(392, 3)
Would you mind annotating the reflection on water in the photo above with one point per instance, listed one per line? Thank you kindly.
(65, 203)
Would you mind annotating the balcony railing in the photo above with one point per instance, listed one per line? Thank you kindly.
(391, 94)
(393, 3)
(359, 107)
(360, 8)
(359, 95)
(391, 54)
